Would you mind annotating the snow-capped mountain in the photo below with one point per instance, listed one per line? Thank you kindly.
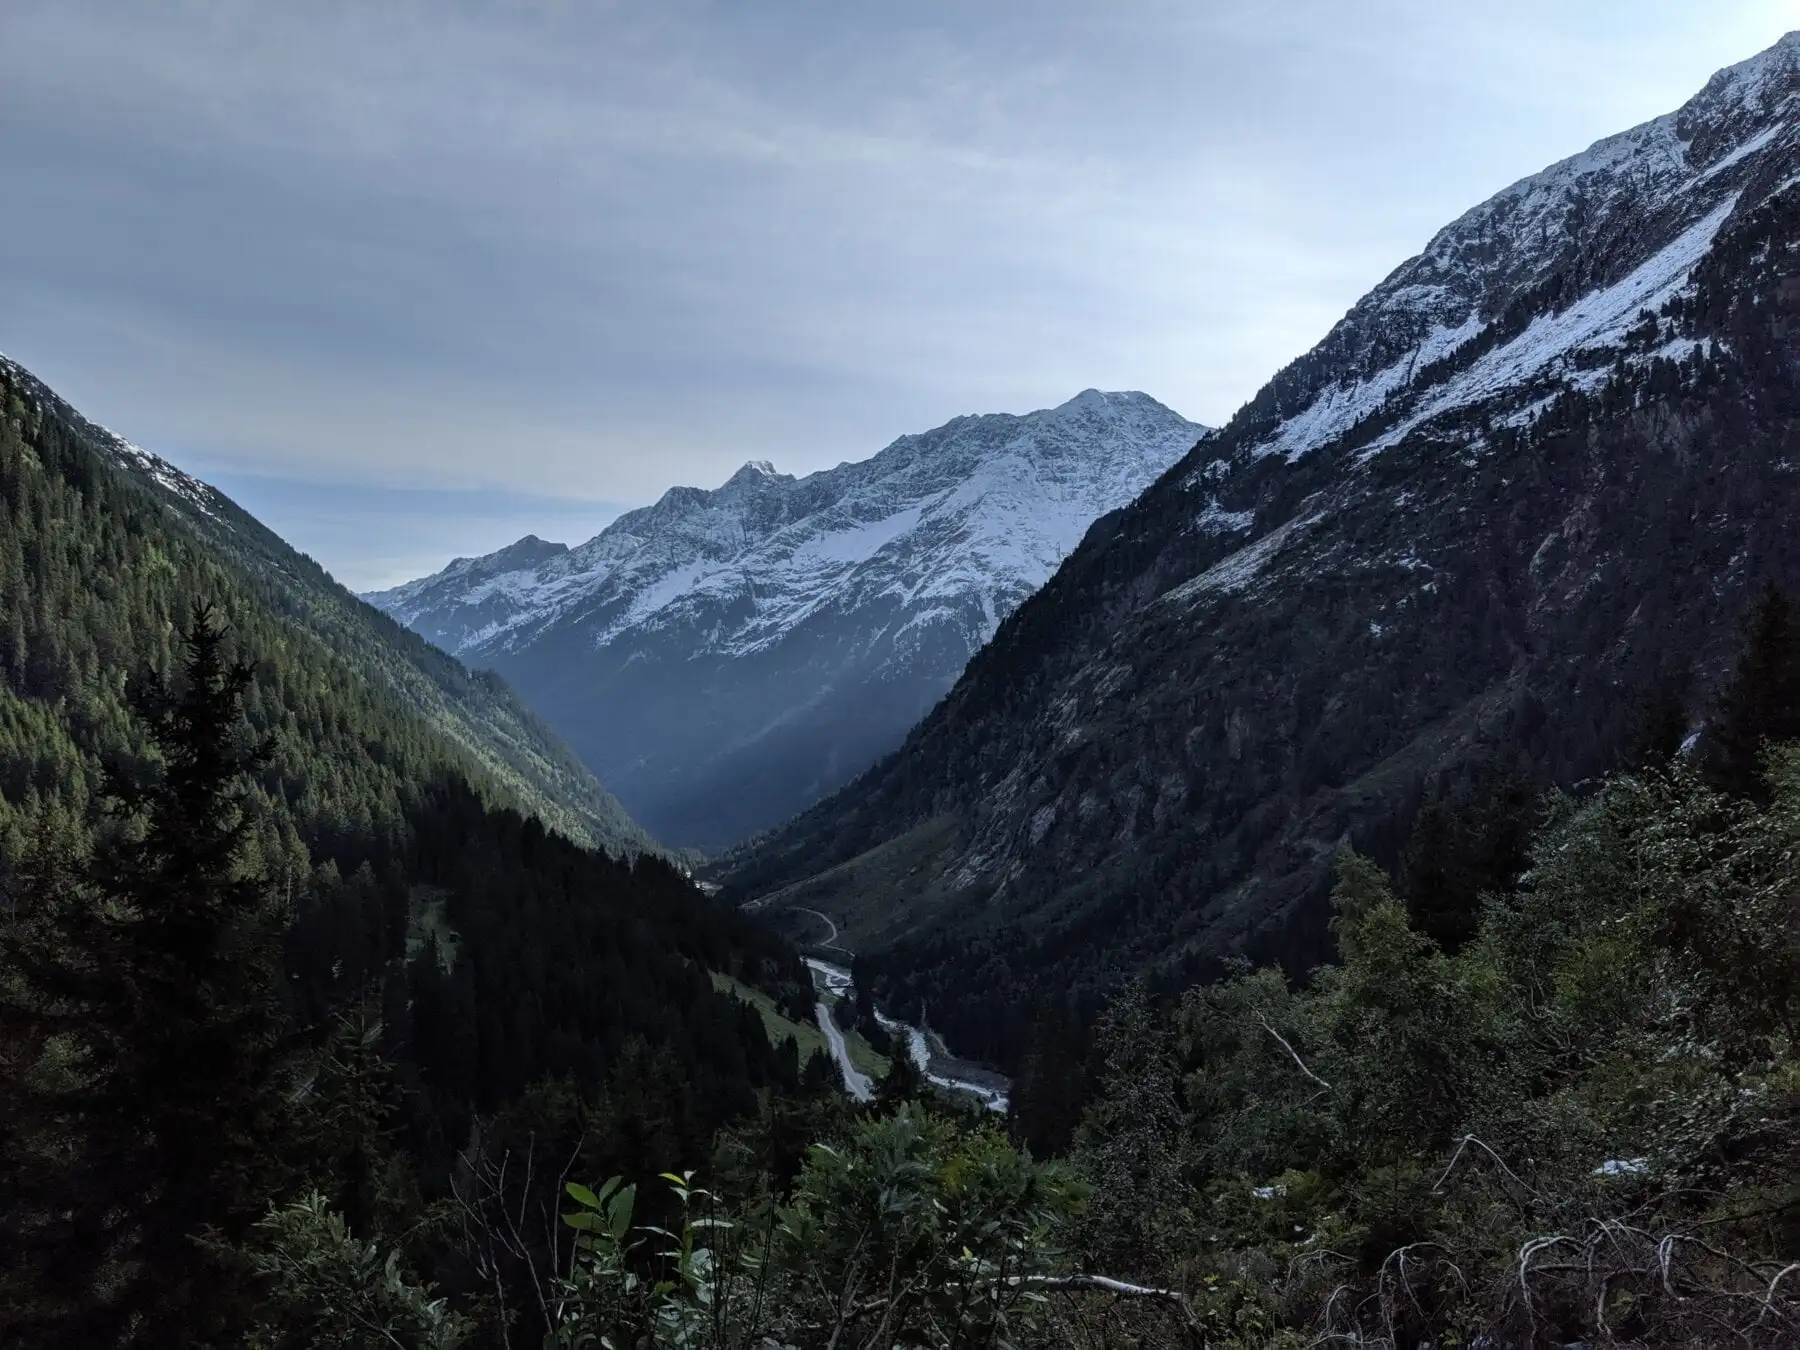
(1537, 289)
(721, 658)
(1529, 479)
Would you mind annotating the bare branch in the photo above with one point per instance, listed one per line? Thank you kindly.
(1283, 1042)
(1780, 1275)
(1500, 1162)
(1120, 1288)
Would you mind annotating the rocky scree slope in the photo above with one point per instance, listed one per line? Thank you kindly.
(483, 723)
(721, 659)
(1533, 474)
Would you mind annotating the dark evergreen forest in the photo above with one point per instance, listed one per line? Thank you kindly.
(380, 864)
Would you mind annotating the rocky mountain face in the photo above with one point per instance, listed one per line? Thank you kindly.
(1524, 488)
(721, 659)
(480, 722)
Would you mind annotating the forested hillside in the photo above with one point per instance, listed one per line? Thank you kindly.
(111, 533)
(374, 849)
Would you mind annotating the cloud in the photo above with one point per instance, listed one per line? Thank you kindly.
(380, 536)
(594, 249)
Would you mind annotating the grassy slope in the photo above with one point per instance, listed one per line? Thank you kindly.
(777, 1024)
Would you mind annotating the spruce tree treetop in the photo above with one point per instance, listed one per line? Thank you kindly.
(155, 986)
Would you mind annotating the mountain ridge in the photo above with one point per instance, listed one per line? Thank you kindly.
(475, 711)
(1421, 542)
(822, 614)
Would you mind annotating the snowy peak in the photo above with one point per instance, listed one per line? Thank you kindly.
(723, 656)
(524, 553)
(1533, 287)
(994, 501)
(755, 473)
(756, 480)
(1761, 87)
(1093, 404)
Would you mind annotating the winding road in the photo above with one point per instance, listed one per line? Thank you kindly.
(990, 1089)
(831, 943)
(837, 980)
(857, 1083)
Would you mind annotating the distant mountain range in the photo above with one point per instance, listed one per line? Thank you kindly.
(1525, 484)
(722, 659)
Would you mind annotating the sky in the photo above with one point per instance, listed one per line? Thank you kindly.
(411, 279)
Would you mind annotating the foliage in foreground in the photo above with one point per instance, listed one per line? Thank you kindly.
(1583, 1125)
(327, 1287)
(910, 1230)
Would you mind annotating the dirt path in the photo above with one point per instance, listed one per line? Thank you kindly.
(831, 943)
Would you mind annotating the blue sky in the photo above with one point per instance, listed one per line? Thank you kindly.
(413, 279)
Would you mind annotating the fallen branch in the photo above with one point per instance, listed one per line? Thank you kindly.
(1107, 1285)
(851, 1310)
(1057, 1283)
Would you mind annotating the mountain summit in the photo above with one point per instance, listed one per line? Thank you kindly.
(722, 658)
(1519, 492)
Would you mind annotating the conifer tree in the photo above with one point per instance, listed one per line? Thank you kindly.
(1463, 848)
(144, 1027)
(1128, 1143)
(1661, 727)
(903, 1082)
(1052, 1083)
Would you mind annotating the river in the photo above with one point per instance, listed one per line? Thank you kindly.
(928, 1050)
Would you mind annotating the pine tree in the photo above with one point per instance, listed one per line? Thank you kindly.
(1463, 849)
(903, 1082)
(1661, 727)
(1761, 704)
(1128, 1143)
(1051, 1085)
(144, 1039)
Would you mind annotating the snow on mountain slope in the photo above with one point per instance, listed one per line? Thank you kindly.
(983, 505)
(1528, 481)
(849, 598)
(1543, 279)
(190, 491)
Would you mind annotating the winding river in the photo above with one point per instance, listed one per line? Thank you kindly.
(927, 1049)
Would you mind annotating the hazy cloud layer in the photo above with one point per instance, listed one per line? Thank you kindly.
(585, 250)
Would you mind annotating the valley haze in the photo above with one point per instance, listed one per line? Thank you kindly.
(723, 658)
